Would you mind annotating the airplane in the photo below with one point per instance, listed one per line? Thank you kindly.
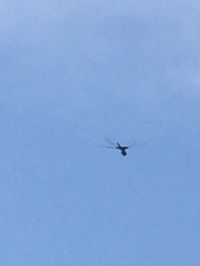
(120, 147)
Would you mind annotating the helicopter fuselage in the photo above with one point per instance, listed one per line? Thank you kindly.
(122, 149)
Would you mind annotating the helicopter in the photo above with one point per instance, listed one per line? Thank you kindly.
(121, 148)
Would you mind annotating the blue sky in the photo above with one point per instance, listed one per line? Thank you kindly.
(72, 73)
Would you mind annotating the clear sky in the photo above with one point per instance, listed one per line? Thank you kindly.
(72, 73)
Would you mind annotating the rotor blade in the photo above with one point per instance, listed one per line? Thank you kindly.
(132, 145)
(110, 142)
(108, 147)
(136, 144)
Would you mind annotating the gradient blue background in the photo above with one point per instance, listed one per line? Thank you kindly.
(72, 73)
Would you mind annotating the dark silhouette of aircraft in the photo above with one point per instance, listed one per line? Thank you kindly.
(121, 148)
